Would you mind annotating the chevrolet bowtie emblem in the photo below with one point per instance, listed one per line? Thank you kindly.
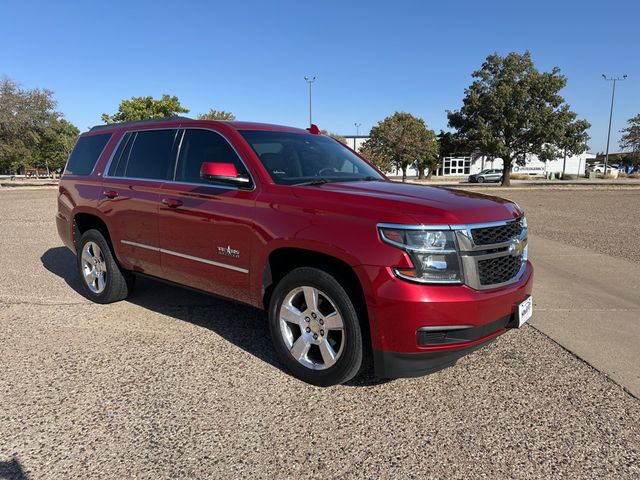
(516, 248)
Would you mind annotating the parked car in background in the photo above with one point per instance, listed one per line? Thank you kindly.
(347, 264)
(599, 168)
(486, 176)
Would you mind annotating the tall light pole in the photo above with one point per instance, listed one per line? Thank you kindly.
(357, 125)
(613, 95)
(309, 79)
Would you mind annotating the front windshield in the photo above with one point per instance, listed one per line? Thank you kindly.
(299, 158)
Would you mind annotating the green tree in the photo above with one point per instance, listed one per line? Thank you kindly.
(399, 141)
(143, 108)
(630, 139)
(573, 138)
(56, 145)
(430, 158)
(449, 144)
(511, 109)
(340, 138)
(27, 118)
(216, 115)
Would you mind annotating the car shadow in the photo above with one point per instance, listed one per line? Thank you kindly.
(242, 325)
(12, 470)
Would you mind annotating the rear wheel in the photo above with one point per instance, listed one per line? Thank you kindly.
(103, 281)
(315, 327)
(480, 179)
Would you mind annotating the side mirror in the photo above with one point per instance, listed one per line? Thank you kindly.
(223, 173)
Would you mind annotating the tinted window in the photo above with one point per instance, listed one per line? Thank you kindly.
(199, 146)
(292, 158)
(85, 154)
(150, 155)
(121, 156)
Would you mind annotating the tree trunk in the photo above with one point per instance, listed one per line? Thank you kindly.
(506, 172)
(421, 173)
(564, 163)
(404, 173)
(430, 174)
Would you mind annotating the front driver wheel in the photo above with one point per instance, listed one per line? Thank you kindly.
(480, 179)
(315, 327)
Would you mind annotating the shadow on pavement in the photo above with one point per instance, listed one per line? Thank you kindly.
(12, 470)
(243, 325)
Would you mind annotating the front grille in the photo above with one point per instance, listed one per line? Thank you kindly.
(498, 270)
(499, 234)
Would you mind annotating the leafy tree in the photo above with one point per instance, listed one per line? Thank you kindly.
(511, 109)
(143, 108)
(573, 137)
(430, 158)
(399, 141)
(28, 122)
(368, 151)
(216, 115)
(56, 145)
(630, 139)
(449, 144)
(340, 138)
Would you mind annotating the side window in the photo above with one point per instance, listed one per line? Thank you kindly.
(149, 156)
(121, 156)
(199, 146)
(85, 154)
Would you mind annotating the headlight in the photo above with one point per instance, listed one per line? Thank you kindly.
(433, 253)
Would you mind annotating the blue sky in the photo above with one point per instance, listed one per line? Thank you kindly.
(370, 58)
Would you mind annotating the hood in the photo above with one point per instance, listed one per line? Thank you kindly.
(394, 202)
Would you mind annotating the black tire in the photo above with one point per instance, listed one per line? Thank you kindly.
(118, 283)
(480, 179)
(350, 360)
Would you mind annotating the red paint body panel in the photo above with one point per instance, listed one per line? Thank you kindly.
(178, 223)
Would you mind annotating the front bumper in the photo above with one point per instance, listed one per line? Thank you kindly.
(399, 311)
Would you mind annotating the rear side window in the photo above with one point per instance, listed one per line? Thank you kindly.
(147, 155)
(85, 154)
(200, 146)
(150, 155)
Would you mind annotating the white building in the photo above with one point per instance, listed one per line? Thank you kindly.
(463, 166)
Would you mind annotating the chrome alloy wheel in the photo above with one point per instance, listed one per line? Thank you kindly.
(94, 268)
(312, 328)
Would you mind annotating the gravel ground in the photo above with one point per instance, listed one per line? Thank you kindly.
(174, 384)
(603, 220)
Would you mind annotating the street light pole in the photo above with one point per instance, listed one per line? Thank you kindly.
(613, 95)
(357, 125)
(310, 80)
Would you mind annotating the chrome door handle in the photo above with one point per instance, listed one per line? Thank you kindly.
(172, 202)
(111, 194)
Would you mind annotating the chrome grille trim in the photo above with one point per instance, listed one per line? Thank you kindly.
(471, 254)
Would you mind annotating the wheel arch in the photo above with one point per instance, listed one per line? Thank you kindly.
(283, 260)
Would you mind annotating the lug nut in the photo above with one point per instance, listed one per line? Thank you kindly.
(321, 332)
(307, 319)
(314, 315)
(321, 322)
(308, 329)
(315, 336)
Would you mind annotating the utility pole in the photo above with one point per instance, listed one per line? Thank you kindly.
(357, 125)
(613, 95)
(310, 79)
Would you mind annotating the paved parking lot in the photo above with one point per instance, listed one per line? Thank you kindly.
(174, 384)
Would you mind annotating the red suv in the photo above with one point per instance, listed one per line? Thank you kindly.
(347, 264)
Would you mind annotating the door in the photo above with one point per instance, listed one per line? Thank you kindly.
(206, 230)
(131, 195)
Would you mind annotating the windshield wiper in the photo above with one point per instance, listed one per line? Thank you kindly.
(315, 181)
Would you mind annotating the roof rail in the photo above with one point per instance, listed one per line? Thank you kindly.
(138, 122)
